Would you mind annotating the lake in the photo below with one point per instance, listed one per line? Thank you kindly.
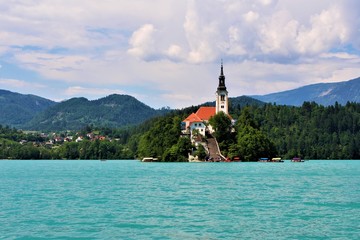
(135, 200)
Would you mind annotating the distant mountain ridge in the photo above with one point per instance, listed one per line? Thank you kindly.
(111, 111)
(31, 112)
(17, 109)
(240, 101)
(321, 93)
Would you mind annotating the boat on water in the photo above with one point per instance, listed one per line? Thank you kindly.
(297, 159)
(270, 160)
(276, 160)
(263, 160)
(149, 159)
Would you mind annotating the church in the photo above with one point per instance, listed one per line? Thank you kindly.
(198, 122)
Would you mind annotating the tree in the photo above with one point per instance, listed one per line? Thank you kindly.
(252, 144)
(222, 126)
(200, 152)
(178, 152)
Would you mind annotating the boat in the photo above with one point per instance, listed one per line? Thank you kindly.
(276, 160)
(263, 160)
(149, 159)
(297, 159)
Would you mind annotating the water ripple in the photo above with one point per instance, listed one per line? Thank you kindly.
(133, 200)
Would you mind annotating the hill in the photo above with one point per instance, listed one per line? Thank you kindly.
(112, 111)
(236, 102)
(243, 101)
(17, 109)
(323, 93)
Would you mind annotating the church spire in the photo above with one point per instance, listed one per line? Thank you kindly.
(222, 100)
(222, 70)
(222, 79)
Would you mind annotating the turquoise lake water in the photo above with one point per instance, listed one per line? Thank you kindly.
(134, 200)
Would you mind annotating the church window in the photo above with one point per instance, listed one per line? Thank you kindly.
(222, 106)
(222, 97)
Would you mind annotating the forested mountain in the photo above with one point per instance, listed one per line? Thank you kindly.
(17, 109)
(324, 93)
(112, 111)
(238, 102)
(242, 101)
(311, 131)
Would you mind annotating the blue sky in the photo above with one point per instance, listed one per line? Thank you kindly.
(168, 52)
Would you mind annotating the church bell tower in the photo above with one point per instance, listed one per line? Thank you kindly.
(222, 100)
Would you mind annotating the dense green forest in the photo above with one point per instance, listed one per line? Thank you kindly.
(17, 109)
(15, 144)
(112, 111)
(311, 131)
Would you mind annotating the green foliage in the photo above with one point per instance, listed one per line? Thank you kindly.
(252, 144)
(178, 152)
(246, 119)
(222, 126)
(94, 150)
(34, 148)
(200, 152)
(18, 109)
(163, 134)
(249, 142)
(310, 131)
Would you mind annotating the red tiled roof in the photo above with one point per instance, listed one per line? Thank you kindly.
(205, 113)
(192, 118)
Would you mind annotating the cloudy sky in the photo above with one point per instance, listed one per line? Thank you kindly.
(168, 52)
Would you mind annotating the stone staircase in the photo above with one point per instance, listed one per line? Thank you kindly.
(213, 149)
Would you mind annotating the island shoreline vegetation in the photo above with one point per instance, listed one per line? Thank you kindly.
(311, 131)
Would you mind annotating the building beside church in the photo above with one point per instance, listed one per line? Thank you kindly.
(198, 122)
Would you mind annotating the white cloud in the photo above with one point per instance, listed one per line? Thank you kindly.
(93, 92)
(142, 41)
(22, 86)
(202, 36)
(328, 29)
(341, 55)
(278, 35)
(168, 51)
(251, 16)
(51, 66)
(267, 2)
(17, 84)
(175, 52)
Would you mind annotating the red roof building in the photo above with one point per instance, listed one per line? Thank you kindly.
(199, 121)
(205, 113)
(192, 118)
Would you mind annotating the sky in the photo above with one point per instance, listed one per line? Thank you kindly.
(168, 52)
